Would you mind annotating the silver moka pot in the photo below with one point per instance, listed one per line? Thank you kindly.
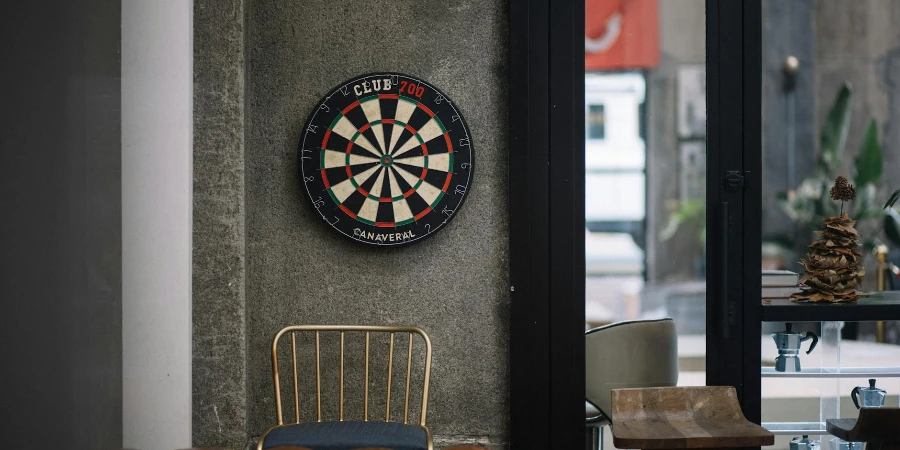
(846, 445)
(788, 343)
(869, 396)
(805, 443)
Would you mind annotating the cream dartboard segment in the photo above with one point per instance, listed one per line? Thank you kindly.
(386, 159)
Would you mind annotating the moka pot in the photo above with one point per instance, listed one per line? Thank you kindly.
(788, 343)
(805, 443)
(868, 396)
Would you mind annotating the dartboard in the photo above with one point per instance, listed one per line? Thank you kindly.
(386, 159)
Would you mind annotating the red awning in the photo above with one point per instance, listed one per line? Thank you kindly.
(621, 34)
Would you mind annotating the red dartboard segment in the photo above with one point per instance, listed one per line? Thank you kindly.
(425, 108)
(350, 107)
(349, 213)
(423, 213)
(375, 204)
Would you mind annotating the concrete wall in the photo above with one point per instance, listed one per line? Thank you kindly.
(156, 223)
(787, 119)
(835, 42)
(289, 268)
(219, 390)
(860, 43)
(855, 42)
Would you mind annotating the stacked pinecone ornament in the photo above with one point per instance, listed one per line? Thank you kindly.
(833, 265)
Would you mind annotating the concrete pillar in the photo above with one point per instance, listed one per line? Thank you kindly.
(219, 271)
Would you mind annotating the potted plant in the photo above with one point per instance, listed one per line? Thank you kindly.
(810, 203)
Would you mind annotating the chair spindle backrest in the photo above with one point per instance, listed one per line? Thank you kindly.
(342, 330)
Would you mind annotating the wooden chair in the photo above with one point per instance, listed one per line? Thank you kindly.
(682, 418)
(338, 433)
(877, 427)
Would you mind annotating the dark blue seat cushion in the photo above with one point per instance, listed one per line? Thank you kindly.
(348, 435)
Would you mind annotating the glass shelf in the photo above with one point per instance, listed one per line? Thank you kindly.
(833, 372)
(883, 305)
(795, 428)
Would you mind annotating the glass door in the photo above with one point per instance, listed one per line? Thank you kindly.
(645, 169)
(631, 192)
(645, 166)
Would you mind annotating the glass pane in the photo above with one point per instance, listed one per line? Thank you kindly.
(645, 169)
(830, 107)
(596, 129)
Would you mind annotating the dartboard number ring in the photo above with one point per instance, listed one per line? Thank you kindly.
(386, 159)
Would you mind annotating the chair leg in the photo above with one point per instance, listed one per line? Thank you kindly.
(593, 438)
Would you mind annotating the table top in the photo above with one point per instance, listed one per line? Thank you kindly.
(683, 417)
(873, 425)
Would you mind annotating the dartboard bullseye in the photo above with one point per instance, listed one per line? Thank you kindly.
(386, 159)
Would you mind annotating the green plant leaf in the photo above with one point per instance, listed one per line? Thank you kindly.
(864, 206)
(893, 199)
(868, 164)
(892, 226)
(834, 132)
(689, 211)
(868, 214)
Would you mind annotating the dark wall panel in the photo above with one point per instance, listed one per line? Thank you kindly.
(60, 225)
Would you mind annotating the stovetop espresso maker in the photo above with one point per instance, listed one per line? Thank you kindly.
(805, 443)
(788, 342)
(869, 397)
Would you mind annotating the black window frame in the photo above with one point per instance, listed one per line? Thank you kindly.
(546, 207)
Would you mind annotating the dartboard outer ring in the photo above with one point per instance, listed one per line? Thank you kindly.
(388, 166)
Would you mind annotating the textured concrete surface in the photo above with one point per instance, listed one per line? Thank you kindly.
(856, 43)
(454, 284)
(836, 42)
(788, 30)
(219, 346)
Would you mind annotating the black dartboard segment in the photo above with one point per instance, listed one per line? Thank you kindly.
(386, 159)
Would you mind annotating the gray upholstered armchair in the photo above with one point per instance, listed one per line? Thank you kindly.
(632, 354)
